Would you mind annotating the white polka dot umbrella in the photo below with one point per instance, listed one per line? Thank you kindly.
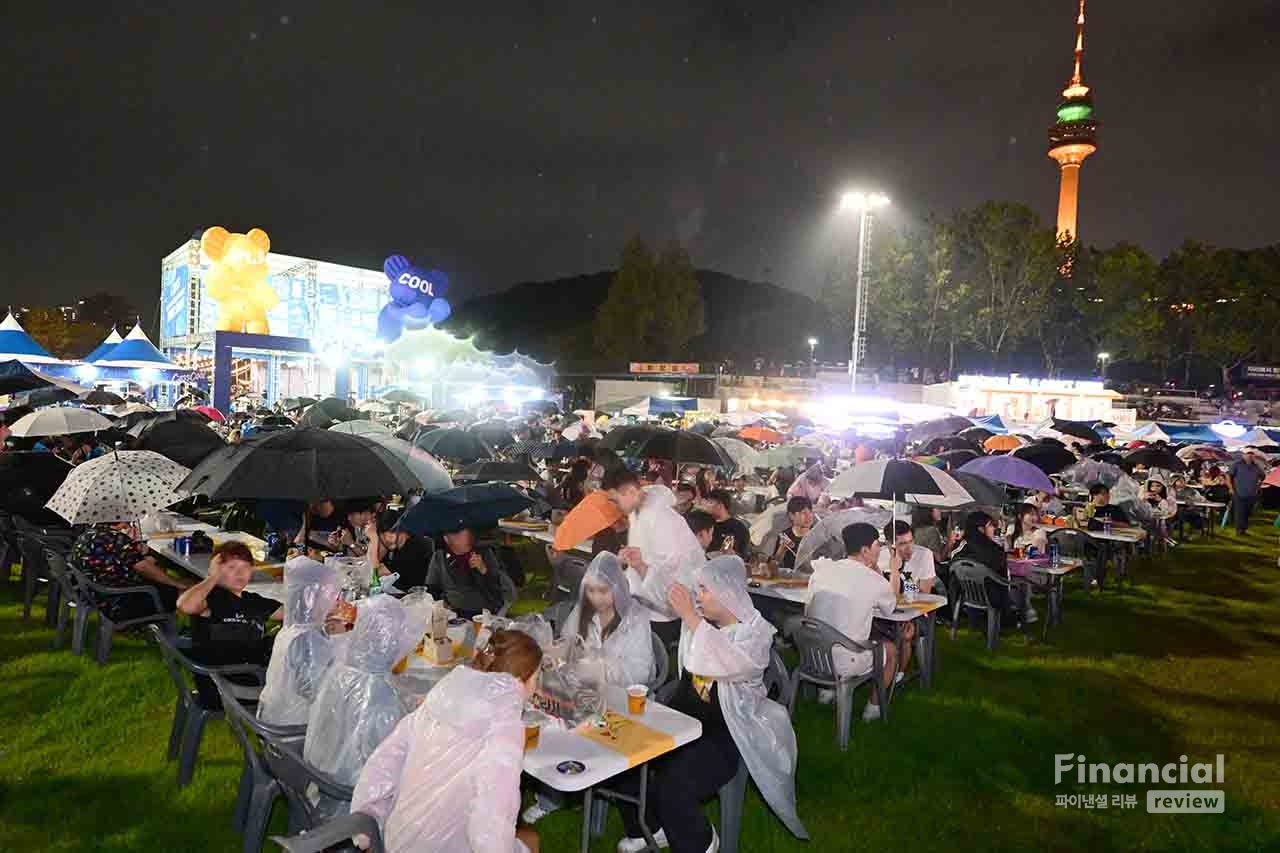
(120, 486)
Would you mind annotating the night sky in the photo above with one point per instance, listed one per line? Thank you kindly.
(524, 141)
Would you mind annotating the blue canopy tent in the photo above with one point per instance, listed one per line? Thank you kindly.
(136, 352)
(103, 349)
(991, 422)
(15, 343)
(1190, 433)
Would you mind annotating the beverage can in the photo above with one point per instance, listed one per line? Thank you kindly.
(1053, 554)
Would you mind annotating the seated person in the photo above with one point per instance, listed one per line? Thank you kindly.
(448, 775)
(731, 536)
(981, 544)
(800, 514)
(322, 520)
(229, 624)
(685, 496)
(465, 576)
(349, 536)
(847, 594)
(108, 554)
(724, 650)
(703, 527)
(1185, 496)
(1100, 508)
(906, 558)
(396, 551)
(613, 627)
(1024, 532)
(303, 650)
(357, 704)
(1160, 500)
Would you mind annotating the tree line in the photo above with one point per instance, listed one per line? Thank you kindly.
(992, 289)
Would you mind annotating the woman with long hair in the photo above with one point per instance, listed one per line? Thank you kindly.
(1023, 532)
(573, 487)
(448, 778)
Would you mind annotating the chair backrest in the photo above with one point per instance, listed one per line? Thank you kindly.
(661, 660)
(814, 638)
(56, 561)
(251, 732)
(557, 613)
(179, 665)
(175, 662)
(972, 579)
(1071, 543)
(509, 591)
(297, 776)
(777, 681)
(566, 570)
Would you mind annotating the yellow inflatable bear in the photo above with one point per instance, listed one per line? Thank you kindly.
(237, 279)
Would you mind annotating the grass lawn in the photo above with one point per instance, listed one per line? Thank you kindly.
(1186, 662)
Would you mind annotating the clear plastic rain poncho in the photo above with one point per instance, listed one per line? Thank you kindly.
(448, 778)
(627, 652)
(667, 545)
(302, 651)
(736, 657)
(357, 705)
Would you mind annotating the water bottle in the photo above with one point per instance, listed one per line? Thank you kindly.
(1054, 559)
(1106, 525)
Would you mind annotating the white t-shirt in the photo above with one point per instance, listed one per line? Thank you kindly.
(920, 565)
(847, 595)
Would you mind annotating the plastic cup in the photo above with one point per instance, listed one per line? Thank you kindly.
(532, 734)
(637, 696)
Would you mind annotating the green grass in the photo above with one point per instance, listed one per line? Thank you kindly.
(1186, 662)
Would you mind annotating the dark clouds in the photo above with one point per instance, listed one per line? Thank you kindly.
(520, 141)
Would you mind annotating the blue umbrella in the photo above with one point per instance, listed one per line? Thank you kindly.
(479, 505)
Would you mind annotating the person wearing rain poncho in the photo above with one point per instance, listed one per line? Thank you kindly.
(613, 628)
(302, 650)
(661, 549)
(724, 650)
(357, 704)
(447, 779)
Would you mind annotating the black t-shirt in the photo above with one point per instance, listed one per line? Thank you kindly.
(235, 628)
(793, 545)
(1111, 511)
(733, 531)
(410, 561)
(708, 712)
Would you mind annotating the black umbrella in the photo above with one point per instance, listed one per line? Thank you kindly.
(1153, 457)
(941, 444)
(451, 416)
(494, 433)
(887, 479)
(141, 421)
(956, 458)
(456, 444)
(50, 396)
(1049, 458)
(1079, 429)
(704, 428)
(682, 447)
(477, 505)
(301, 464)
(1050, 441)
(16, 376)
(328, 412)
(985, 492)
(185, 442)
(28, 480)
(402, 396)
(942, 426)
(625, 440)
(99, 397)
(297, 404)
(13, 414)
(976, 434)
(1111, 457)
(497, 470)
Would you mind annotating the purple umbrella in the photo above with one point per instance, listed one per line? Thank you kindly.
(1012, 471)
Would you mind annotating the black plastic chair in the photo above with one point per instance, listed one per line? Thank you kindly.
(273, 768)
(340, 830)
(190, 713)
(973, 578)
(101, 596)
(567, 571)
(32, 539)
(73, 605)
(661, 660)
(814, 640)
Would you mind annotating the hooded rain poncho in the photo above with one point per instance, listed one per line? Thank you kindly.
(628, 650)
(669, 548)
(357, 705)
(302, 651)
(736, 657)
(448, 778)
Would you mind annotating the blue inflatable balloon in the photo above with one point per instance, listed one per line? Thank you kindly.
(416, 298)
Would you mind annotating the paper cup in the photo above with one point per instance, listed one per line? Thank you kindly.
(637, 696)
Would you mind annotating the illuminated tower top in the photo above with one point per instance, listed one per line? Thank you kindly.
(1075, 125)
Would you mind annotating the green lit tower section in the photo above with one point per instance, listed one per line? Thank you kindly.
(1073, 137)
